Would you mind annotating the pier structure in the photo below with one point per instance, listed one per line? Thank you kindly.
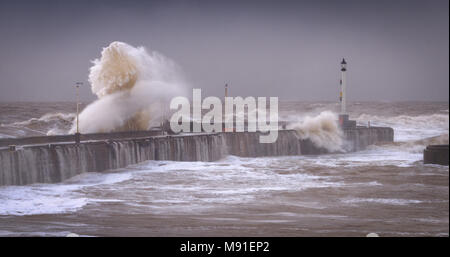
(52, 159)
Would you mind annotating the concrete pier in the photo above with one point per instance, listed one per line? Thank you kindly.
(54, 159)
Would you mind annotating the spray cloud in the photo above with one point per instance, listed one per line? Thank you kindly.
(132, 86)
(322, 130)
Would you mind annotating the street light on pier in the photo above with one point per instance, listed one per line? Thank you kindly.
(78, 84)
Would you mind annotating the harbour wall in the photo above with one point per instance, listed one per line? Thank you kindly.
(54, 162)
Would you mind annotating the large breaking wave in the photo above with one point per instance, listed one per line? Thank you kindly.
(132, 86)
(322, 130)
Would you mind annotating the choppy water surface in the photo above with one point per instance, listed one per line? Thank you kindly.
(385, 189)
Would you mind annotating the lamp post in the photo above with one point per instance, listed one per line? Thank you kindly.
(226, 90)
(77, 134)
(161, 103)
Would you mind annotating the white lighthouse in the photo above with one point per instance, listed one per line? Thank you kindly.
(343, 95)
(344, 121)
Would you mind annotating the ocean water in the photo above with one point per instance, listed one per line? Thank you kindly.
(385, 189)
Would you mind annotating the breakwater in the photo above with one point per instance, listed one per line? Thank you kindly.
(38, 161)
(436, 154)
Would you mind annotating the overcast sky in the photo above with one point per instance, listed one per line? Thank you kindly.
(396, 50)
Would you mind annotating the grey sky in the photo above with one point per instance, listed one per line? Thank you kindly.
(396, 50)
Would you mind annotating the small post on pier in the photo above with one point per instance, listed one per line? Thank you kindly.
(224, 119)
(226, 90)
(162, 128)
(77, 134)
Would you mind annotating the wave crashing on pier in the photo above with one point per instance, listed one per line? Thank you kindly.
(322, 130)
(132, 86)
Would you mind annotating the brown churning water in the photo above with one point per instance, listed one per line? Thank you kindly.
(385, 189)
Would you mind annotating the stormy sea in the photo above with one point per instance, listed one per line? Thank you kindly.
(385, 189)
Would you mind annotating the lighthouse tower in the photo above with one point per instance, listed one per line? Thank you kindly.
(343, 96)
(344, 121)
